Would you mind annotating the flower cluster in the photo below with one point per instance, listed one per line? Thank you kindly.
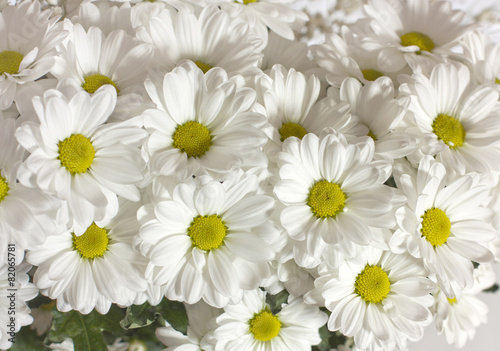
(194, 151)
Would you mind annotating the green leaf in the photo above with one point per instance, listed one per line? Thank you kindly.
(139, 316)
(174, 313)
(324, 345)
(329, 340)
(85, 330)
(275, 301)
(492, 289)
(27, 340)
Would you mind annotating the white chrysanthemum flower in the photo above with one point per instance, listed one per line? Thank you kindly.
(375, 107)
(201, 325)
(106, 16)
(27, 46)
(203, 124)
(94, 269)
(290, 100)
(381, 302)
(444, 223)
(288, 53)
(458, 319)
(27, 215)
(332, 193)
(483, 58)
(251, 325)
(454, 120)
(264, 15)
(211, 39)
(343, 56)
(417, 32)
(211, 241)
(78, 157)
(15, 290)
(92, 60)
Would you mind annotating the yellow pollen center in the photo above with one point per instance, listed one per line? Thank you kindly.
(497, 81)
(264, 325)
(326, 199)
(193, 138)
(207, 232)
(76, 153)
(290, 129)
(4, 188)
(372, 284)
(246, 2)
(10, 62)
(371, 74)
(371, 135)
(452, 301)
(92, 243)
(419, 39)
(449, 130)
(203, 66)
(95, 81)
(436, 226)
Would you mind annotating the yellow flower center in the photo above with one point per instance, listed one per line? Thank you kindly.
(193, 138)
(371, 135)
(92, 243)
(326, 199)
(449, 130)
(207, 232)
(419, 39)
(497, 81)
(246, 2)
(10, 62)
(436, 226)
(76, 153)
(203, 66)
(452, 301)
(371, 74)
(372, 284)
(95, 81)
(4, 188)
(264, 325)
(290, 129)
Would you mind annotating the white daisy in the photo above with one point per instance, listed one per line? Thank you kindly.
(343, 56)
(203, 124)
(106, 16)
(454, 119)
(288, 53)
(27, 46)
(290, 100)
(251, 325)
(201, 325)
(211, 39)
(92, 59)
(210, 241)
(482, 56)
(375, 107)
(264, 15)
(77, 157)
(332, 192)
(458, 319)
(15, 291)
(444, 223)
(417, 32)
(381, 302)
(94, 269)
(27, 215)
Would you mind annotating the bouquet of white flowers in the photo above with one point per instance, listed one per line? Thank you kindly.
(192, 174)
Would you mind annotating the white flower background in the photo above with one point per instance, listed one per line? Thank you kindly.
(211, 152)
